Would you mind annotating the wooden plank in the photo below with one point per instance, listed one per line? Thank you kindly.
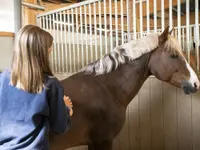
(144, 116)
(157, 126)
(29, 15)
(134, 128)
(184, 121)
(7, 34)
(196, 121)
(116, 143)
(170, 116)
(124, 134)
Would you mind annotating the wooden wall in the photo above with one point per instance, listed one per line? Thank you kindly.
(29, 15)
(6, 44)
(160, 117)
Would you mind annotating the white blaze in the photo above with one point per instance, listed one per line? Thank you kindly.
(193, 77)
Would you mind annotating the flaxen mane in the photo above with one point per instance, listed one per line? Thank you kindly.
(118, 56)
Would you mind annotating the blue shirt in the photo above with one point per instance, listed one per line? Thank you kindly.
(26, 118)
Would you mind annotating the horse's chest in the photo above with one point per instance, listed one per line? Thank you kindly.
(108, 122)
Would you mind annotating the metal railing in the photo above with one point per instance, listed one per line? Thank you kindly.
(86, 31)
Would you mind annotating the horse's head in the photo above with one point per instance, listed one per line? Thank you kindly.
(168, 64)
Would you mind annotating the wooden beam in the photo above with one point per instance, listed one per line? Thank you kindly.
(53, 1)
(71, 1)
(33, 6)
(29, 15)
(6, 34)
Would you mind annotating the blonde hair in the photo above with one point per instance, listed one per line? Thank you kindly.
(30, 60)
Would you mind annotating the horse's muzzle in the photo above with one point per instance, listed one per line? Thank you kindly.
(188, 87)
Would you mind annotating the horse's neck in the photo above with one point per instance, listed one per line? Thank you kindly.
(126, 81)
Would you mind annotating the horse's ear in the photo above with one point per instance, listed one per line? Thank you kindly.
(163, 37)
(170, 32)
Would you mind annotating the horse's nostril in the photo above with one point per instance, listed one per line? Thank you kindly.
(196, 85)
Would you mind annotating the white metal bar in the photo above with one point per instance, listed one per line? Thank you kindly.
(187, 29)
(170, 14)
(183, 38)
(70, 43)
(184, 26)
(134, 20)
(68, 7)
(62, 44)
(81, 26)
(77, 40)
(54, 45)
(37, 21)
(40, 22)
(60, 50)
(179, 20)
(191, 39)
(66, 49)
(163, 14)
(197, 38)
(116, 23)
(176, 33)
(51, 31)
(105, 24)
(155, 15)
(73, 39)
(148, 19)
(50, 23)
(111, 38)
(43, 23)
(95, 31)
(58, 45)
(86, 34)
(100, 25)
(91, 49)
(141, 20)
(138, 1)
(46, 23)
(128, 20)
(122, 21)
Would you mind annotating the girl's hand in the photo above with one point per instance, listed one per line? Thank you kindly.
(69, 104)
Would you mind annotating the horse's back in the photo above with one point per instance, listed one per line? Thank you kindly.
(84, 88)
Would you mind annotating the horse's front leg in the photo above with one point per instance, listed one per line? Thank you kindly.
(90, 147)
(105, 145)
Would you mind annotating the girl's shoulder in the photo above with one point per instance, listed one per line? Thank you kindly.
(5, 73)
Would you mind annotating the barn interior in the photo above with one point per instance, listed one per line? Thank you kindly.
(161, 116)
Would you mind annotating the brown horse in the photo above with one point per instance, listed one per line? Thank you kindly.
(102, 91)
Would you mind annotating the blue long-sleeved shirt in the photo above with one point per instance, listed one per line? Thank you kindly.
(26, 118)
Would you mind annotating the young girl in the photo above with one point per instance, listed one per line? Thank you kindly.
(31, 99)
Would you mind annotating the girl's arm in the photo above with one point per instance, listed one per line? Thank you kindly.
(59, 117)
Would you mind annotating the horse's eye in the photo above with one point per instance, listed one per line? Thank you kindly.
(174, 56)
